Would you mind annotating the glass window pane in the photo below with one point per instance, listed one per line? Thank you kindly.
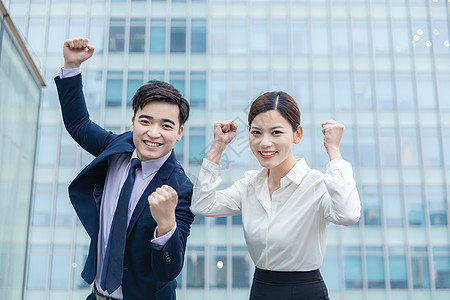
(384, 91)
(218, 36)
(57, 32)
(302, 90)
(239, 90)
(420, 271)
(397, 272)
(135, 81)
(388, 147)
(367, 147)
(426, 96)
(197, 144)
(178, 36)
(437, 200)
(330, 269)
(319, 37)
(238, 37)
(443, 91)
(259, 38)
(442, 271)
(405, 91)
(343, 91)
(137, 35)
(360, 37)
(392, 205)
(42, 204)
(81, 252)
(363, 91)
(68, 150)
(321, 89)
(37, 267)
(300, 41)
(158, 36)
(440, 37)
(431, 149)
(36, 34)
(195, 269)
(241, 267)
(117, 35)
(380, 37)
(409, 147)
(340, 42)
(371, 205)
(279, 32)
(198, 36)
(375, 272)
(218, 90)
(177, 79)
(114, 89)
(60, 268)
(64, 212)
(97, 34)
(218, 269)
(415, 205)
(47, 145)
(353, 272)
(198, 90)
(401, 37)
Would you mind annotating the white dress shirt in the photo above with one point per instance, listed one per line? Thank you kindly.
(289, 231)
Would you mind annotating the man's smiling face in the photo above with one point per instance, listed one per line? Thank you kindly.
(156, 128)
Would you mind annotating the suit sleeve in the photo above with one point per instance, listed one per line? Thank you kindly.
(168, 261)
(77, 122)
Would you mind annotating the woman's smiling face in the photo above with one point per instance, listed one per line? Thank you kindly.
(271, 139)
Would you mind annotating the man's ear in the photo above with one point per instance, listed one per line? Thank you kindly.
(298, 134)
(180, 133)
(132, 124)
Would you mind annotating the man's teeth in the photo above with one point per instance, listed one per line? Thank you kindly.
(267, 153)
(151, 143)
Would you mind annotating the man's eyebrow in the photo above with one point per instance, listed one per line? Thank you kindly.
(163, 120)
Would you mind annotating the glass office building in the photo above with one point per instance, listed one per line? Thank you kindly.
(20, 93)
(380, 67)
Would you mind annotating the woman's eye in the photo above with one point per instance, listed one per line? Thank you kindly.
(254, 132)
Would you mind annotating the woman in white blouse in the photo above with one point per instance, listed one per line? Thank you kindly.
(286, 206)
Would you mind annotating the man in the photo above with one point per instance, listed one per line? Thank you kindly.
(133, 199)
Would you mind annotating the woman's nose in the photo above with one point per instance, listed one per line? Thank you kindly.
(265, 141)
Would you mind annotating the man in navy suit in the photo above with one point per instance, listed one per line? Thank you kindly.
(158, 217)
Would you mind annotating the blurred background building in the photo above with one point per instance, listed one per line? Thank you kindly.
(380, 67)
(20, 94)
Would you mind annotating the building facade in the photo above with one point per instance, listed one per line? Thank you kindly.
(20, 92)
(380, 67)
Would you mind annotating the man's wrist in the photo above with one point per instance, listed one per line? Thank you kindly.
(164, 227)
(71, 65)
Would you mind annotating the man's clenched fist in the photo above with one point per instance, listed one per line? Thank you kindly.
(163, 202)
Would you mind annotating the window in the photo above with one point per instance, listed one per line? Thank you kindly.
(363, 91)
(360, 37)
(197, 144)
(239, 89)
(218, 36)
(60, 267)
(47, 145)
(158, 36)
(302, 90)
(330, 269)
(353, 271)
(384, 91)
(339, 36)
(343, 91)
(198, 90)
(218, 267)
(405, 91)
(241, 266)
(198, 36)
(437, 205)
(375, 271)
(135, 81)
(300, 41)
(137, 35)
(259, 37)
(367, 147)
(415, 205)
(443, 91)
(97, 34)
(419, 268)
(238, 37)
(57, 32)
(195, 267)
(431, 150)
(114, 89)
(397, 272)
(409, 147)
(178, 36)
(37, 267)
(426, 94)
(392, 206)
(371, 205)
(42, 204)
(177, 79)
(319, 37)
(441, 263)
(380, 37)
(279, 38)
(64, 212)
(388, 147)
(321, 89)
(400, 38)
(117, 35)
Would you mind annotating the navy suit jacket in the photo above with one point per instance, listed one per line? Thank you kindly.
(148, 273)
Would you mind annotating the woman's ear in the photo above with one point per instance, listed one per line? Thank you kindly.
(298, 134)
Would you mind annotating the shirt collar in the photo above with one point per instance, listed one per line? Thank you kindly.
(151, 166)
(296, 174)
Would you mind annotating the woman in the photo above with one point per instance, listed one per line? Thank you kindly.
(286, 206)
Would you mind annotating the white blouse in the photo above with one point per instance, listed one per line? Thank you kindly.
(289, 232)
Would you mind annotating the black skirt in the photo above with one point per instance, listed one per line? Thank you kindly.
(275, 285)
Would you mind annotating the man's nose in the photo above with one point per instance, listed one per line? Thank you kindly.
(153, 131)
